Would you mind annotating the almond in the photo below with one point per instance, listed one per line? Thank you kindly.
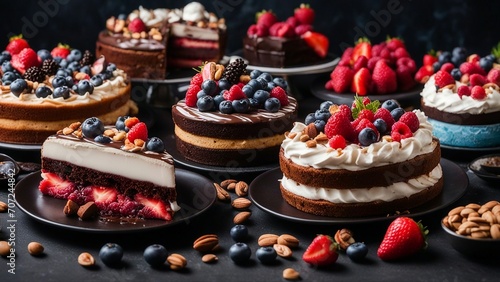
(241, 188)
(222, 194)
(288, 240)
(291, 274)
(3, 207)
(209, 258)
(282, 250)
(267, 240)
(241, 217)
(35, 248)
(241, 203)
(224, 184)
(176, 261)
(206, 243)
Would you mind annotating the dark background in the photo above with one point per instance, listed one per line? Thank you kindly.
(424, 25)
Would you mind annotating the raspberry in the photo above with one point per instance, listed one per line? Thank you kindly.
(191, 93)
(368, 114)
(384, 114)
(280, 94)
(345, 110)
(478, 93)
(443, 78)
(339, 124)
(400, 131)
(337, 142)
(477, 79)
(138, 131)
(364, 123)
(234, 93)
(463, 90)
(197, 79)
(471, 68)
(447, 67)
(411, 120)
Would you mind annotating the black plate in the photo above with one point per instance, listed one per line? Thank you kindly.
(406, 99)
(466, 153)
(264, 191)
(231, 170)
(196, 194)
(476, 167)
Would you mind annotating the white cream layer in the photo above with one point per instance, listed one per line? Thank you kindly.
(343, 196)
(111, 160)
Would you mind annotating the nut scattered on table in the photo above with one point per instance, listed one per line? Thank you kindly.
(288, 240)
(3, 206)
(4, 248)
(291, 274)
(241, 188)
(35, 248)
(474, 220)
(176, 261)
(266, 240)
(283, 250)
(206, 243)
(228, 184)
(241, 203)
(344, 238)
(222, 194)
(209, 258)
(241, 217)
(86, 259)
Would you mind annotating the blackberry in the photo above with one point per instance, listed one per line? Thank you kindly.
(234, 70)
(34, 74)
(87, 59)
(50, 67)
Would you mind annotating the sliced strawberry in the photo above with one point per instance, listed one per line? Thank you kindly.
(103, 196)
(424, 73)
(317, 41)
(361, 81)
(153, 208)
(55, 186)
(322, 251)
(362, 48)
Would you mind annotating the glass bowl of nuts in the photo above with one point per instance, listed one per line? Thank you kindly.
(474, 229)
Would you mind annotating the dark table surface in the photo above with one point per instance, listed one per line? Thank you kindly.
(439, 262)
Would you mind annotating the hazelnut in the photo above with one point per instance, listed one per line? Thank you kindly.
(35, 248)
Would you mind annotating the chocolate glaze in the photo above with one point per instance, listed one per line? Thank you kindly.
(120, 41)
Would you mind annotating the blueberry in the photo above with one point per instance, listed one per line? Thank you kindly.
(226, 107)
(261, 96)
(367, 136)
(436, 66)
(381, 125)
(74, 66)
(111, 254)
(320, 125)
(248, 90)
(5, 56)
(322, 114)
(224, 84)
(240, 252)
(69, 81)
(120, 122)
(106, 74)
(209, 86)
(326, 105)
(74, 55)
(390, 104)
(9, 76)
(256, 85)
(61, 91)
(155, 144)
(459, 52)
(397, 113)
(58, 81)
(155, 255)
(85, 69)
(7, 66)
(205, 103)
(309, 118)
(266, 76)
(281, 82)
(92, 127)
(262, 81)
(111, 67)
(271, 85)
(18, 86)
(457, 61)
(456, 73)
(239, 233)
(96, 80)
(75, 88)
(485, 63)
(254, 104)
(255, 73)
(272, 105)
(200, 94)
(63, 72)
(102, 139)
(217, 100)
(241, 105)
(357, 251)
(44, 54)
(444, 57)
(84, 86)
(266, 255)
(43, 91)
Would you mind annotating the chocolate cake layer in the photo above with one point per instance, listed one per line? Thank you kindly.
(461, 119)
(348, 210)
(85, 176)
(278, 52)
(228, 158)
(372, 177)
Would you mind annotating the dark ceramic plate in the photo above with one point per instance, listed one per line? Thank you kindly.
(480, 248)
(406, 99)
(264, 191)
(195, 194)
(477, 167)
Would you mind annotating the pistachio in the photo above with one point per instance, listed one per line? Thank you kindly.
(241, 217)
(35, 248)
(206, 243)
(241, 203)
(86, 259)
(267, 240)
(176, 261)
(291, 274)
(209, 258)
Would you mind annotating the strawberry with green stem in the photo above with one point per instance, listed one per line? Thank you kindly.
(322, 251)
(404, 237)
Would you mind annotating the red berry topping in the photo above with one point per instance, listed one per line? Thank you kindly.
(362, 124)
(282, 29)
(24, 60)
(341, 78)
(317, 41)
(16, 45)
(400, 131)
(494, 76)
(304, 14)
(443, 78)
(61, 51)
(384, 78)
(478, 93)
(138, 131)
(234, 93)
(191, 93)
(137, 26)
(367, 114)
(345, 110)
(339, 124)
(257, 30)
(197, 79)
(280, 94)
(337, 142)
(411, 120)
(477, 79)
(131, 121)
(384, 114)
(463, 90)
(266, 18)
(471, 68)
(447, 67)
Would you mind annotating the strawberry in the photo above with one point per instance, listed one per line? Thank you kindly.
(280, 94)
(361, 82)
(411, 120)
(197, 79)
(131, 121)
(384, 78)
(463, 90)
(384, 114)
(337, 142)
(329, 85)
(393, 43)
(407, 62)
(340, 124)
(282, 29)
(103, 196)
(61, 51)
(400, 131)
(234, 93)
(478, 93)
(55, 186)
(16, 45)
(266, 18)
(362, 48)
(430, 58)
(317, 41)
(442, 78)
(424, 73)
(153, 208)
(138, 131)
(25, 59)
(471, 68)
(292, 21)
(372, 62)
(377, 48)
(257, 30)
(477, 79)
(401, 53)
(303, 28)
(405, 78)
(341, 78)
(404, 237)
(345, 59)
(494, 76)
(322, 251)
(137, 26)
(361, 62)
(304, 14)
